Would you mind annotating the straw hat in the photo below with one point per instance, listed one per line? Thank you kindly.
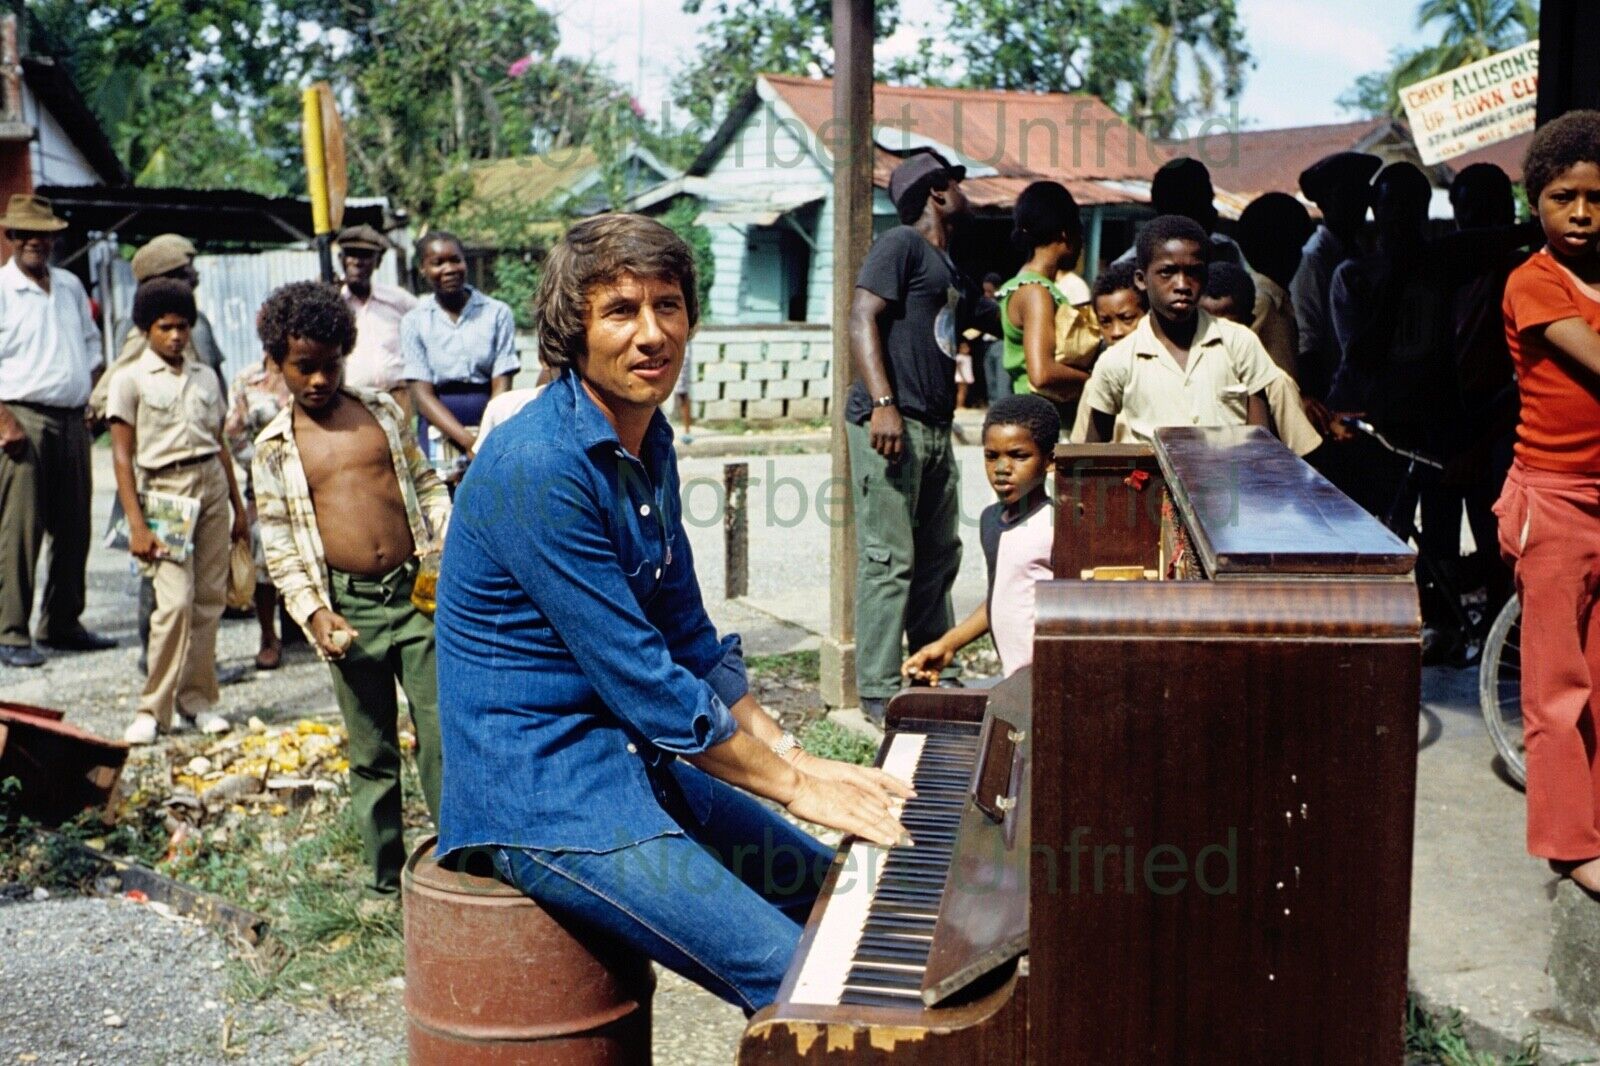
(31, 214)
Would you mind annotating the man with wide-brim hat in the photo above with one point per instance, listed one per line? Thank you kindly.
(1340, 186)
(376, 362)
(49, 356)
(911, 304)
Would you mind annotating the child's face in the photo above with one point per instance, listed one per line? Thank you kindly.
(1569, 211)
(168, 336)
(1174, 279)
(1119, 312)
(1013, 462)
(1223, 307)
(312, 372)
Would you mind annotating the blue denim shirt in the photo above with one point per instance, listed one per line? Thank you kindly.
(575, 656)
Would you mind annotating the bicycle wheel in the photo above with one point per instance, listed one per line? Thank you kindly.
(1500, 688)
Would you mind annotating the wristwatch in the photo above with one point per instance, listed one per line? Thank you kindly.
(787, 745)
(883, 401)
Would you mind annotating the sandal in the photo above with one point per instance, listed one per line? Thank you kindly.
(270, 657)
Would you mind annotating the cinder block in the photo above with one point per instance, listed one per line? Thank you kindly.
(785, 390)
(822, 388)
(763, 371)
(720, 371)
(705, 391)
(810, 408)
(722, 410)
(743, 390)
(742, 352)
(764, 409)
(809, 369)
(786, 351)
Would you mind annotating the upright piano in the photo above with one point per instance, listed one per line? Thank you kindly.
(1184, 834)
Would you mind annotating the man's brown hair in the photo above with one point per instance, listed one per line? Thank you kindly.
(598, 251)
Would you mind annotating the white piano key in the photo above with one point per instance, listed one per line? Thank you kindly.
(822, 976)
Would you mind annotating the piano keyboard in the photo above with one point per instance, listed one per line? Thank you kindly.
(871, 946)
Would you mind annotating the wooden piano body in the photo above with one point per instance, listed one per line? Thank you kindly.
(1209, 852)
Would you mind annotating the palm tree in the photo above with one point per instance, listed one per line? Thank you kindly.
(1471, 30)
(1204, 36)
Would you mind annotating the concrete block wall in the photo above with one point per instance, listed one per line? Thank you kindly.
(761, 373)
(752, 373)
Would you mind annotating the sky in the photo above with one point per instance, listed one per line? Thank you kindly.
(1308, 52)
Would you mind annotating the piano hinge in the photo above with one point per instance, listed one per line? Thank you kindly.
(1005, 803)
(1015, 735)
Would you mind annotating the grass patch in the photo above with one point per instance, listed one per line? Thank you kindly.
(830, 741)
(1432, 1040)
(786, 666)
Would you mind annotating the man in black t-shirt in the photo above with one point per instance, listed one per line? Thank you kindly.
(910, 305)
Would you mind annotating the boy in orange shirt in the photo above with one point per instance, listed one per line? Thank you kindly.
(1549, 510)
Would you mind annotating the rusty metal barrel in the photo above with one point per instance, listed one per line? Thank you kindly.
(492, 979)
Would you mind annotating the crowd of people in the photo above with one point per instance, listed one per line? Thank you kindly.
(571, 655)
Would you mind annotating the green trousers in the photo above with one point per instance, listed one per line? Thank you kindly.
(908, 549)
(45, 489)
(395, 643)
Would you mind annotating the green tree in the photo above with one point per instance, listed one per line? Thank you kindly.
(1469, 30)
(1157, 61)
(750, 37)
(185, 90)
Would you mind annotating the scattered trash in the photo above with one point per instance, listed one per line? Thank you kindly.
(112, 1021)
(40, 895)
(133, 895)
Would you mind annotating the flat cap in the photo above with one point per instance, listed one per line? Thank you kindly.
(918, 166)
(161, 255)
(363, 238)
(1339, 170)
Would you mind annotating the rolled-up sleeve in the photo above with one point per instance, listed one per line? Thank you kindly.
(571, 570)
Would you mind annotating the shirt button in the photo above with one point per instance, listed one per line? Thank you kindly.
(632, 750)
(644, 510)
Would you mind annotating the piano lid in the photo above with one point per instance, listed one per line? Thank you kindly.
(1255, 509)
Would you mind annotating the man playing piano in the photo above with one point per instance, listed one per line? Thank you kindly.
(593, 720)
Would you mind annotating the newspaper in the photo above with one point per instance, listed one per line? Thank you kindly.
(170, 517)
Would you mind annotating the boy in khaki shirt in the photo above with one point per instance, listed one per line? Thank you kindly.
(166, 417)
(1180, 366)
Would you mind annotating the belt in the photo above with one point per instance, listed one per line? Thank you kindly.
(46, 409)
(461, 388)
(181, 464)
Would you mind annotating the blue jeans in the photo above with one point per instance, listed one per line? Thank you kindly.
(722, 905)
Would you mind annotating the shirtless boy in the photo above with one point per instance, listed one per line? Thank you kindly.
(347, 503)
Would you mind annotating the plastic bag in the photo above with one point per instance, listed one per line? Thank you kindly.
(241, 576)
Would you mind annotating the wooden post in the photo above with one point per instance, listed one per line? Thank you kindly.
(735, 530)
(852, 150)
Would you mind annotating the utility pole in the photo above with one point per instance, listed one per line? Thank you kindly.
(852, 151)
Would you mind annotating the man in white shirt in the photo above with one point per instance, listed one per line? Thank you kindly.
(49, 358)
(376, 362)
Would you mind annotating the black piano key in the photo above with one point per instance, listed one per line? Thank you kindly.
(869, 976)
(863, 998)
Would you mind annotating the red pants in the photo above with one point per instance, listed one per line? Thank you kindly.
(1550, 534)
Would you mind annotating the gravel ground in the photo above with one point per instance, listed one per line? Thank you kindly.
(108, 981)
